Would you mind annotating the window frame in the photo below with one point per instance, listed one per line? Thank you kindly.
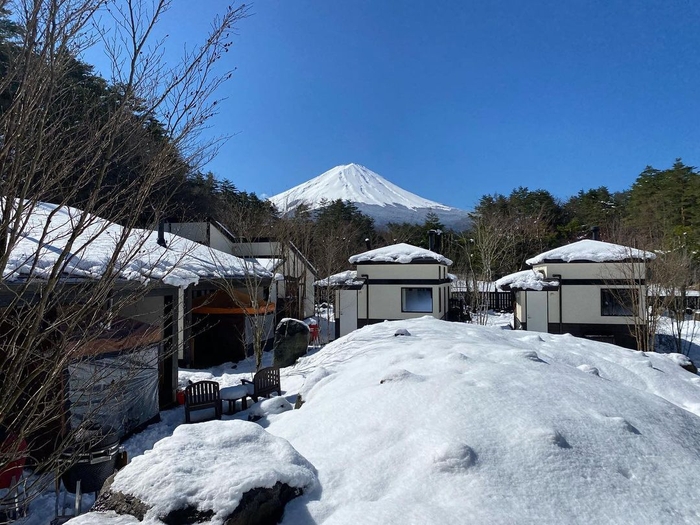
(404, 289)
(614, 295)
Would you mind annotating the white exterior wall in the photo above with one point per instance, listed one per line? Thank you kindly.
(219, 241)
(607, 271)
(520, 307)
(402, 271)
(346, 310)
(580, 303)
(385, 299)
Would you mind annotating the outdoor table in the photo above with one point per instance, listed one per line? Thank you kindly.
(233, 394)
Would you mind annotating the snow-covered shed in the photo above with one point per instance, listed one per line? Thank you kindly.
(588, 288)
(395, 282)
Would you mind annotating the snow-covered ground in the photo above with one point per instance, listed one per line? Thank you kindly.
(461, 423)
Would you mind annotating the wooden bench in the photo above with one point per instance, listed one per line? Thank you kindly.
(265, 382)
(202, 395)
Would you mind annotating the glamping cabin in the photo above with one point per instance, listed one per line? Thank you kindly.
(400, 281)
(118, 335)
(589, 289)
(291, 289)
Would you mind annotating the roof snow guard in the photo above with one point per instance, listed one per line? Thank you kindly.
(589, 250)
(529, 280)
(401, 253)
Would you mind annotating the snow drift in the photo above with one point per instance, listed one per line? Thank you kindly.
(468, 424)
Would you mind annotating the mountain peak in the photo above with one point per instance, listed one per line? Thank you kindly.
(355, 183)
(369, 191)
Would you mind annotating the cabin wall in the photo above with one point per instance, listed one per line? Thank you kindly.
(219, 241)
(391, 291)
(520, 312)
(595, 271)
(576, 307)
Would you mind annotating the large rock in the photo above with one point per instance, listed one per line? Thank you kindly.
(227, 472)
(258, 506)
(291, 342)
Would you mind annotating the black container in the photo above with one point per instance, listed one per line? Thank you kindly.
(92, 464)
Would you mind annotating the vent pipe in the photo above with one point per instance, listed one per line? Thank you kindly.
(161, 233)
(368, 245)
(595, 233)
(435, 240)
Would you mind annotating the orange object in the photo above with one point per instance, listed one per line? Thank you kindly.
(180, 397)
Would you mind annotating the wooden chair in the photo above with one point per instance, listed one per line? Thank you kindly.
(265, 382)
(202, 395)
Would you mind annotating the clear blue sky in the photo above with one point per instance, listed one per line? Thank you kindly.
(455, 99)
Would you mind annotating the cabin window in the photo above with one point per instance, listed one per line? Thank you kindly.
(417, 300)
(617, 302)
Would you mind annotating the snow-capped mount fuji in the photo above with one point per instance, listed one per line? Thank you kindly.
(373, 195)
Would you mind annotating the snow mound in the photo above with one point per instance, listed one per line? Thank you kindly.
(210, 466)
(591, 251)
(398, 253)
(469, 424)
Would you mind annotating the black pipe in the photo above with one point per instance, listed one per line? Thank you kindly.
(161, 233)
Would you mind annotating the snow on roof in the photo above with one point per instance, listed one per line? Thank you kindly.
(399, 253)
(210, 466)
(180, 263)
(346, 278)
(434, 425)
(589, 250)
(526, 280)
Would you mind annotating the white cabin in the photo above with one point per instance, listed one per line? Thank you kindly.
(400, 281)
(589, 289)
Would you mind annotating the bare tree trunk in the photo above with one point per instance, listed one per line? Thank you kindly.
(60, 143)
